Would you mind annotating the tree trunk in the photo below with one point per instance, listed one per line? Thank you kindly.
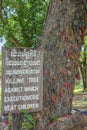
(84, 75)
(83, 67)
(61, 42)
(17, 120)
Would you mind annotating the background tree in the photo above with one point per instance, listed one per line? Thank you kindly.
(83, 63)
(22, 21)
(83, 55)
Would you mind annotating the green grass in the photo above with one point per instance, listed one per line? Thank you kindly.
(78, 91)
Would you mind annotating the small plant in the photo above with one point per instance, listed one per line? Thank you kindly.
(29, 121)
(53, 117)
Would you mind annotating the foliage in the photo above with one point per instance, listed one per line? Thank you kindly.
(53, 117)
(85, 41)
(29, 121)
(83, 53)
(22, 21)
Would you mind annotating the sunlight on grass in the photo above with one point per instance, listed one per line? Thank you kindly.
(78, 91)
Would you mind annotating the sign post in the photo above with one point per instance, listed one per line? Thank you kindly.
(22, 80)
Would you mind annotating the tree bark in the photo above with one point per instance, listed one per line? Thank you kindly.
(61, 42)
(17, 120)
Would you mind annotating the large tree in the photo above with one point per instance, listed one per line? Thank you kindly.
(61, 41)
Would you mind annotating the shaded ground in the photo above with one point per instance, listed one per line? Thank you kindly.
(80, 100)
(80, 103)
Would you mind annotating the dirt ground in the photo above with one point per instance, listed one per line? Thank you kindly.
(80, 103)
(80, 100)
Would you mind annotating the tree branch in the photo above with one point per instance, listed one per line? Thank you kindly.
(15, 41)
(1, 9)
